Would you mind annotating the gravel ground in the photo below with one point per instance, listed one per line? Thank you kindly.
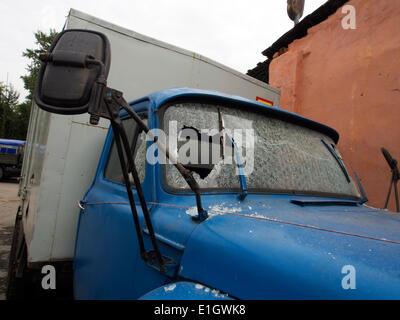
(8, 208)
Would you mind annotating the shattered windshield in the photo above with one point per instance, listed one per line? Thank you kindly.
(275, 155)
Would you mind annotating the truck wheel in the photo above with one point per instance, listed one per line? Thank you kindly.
(1, 172)
(24, 283)
(18, 275)
(13, 286)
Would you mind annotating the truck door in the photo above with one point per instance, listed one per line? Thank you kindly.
(107, 263)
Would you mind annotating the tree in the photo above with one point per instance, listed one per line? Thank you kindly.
(8, 110)
(14, 117)
(21, 112)
(21, 121)
(43, 42)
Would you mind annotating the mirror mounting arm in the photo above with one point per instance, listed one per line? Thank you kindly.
(109, 108)
(115, 97)
(186, 174)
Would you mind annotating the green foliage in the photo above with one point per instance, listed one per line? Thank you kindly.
(20, 121)
(14, 117)
(9, 112)
(43, 42)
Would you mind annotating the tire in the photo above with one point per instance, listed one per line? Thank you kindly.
(24, 283)
(1, 173)
(21, 281)
(15, 286)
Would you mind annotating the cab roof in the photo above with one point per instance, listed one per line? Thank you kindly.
(162, 97)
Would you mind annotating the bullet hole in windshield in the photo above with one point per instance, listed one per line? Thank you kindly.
(191, 143)
(202, 172)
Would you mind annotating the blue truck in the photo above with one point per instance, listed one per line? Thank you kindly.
(275, 214)
(11, 156)
(300, 224)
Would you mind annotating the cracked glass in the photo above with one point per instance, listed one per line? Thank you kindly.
(284, 157)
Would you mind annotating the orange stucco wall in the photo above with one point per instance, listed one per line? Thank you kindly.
(350, 80)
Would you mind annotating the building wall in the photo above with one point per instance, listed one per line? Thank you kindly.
(350, 80)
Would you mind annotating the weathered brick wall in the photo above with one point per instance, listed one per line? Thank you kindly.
(350, 80)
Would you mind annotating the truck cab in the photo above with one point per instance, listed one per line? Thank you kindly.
(284, 217)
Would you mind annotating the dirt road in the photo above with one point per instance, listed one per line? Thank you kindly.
(8, 208)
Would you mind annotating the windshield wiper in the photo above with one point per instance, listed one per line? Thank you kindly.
(340, 163)
(242, 178)
(360, 187)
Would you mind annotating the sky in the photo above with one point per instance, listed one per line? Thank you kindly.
(231, 32)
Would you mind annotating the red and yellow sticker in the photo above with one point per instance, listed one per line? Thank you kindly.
(267, 102)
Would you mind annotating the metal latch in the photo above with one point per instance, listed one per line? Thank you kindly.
(82, 205)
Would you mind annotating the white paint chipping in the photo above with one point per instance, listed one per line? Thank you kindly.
(214, 210)
(218, 294)
(371, 207)
(192, 211)
(170, 287)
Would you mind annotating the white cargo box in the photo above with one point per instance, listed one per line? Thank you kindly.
(62, 152)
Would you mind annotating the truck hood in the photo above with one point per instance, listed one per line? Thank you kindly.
(283, 251)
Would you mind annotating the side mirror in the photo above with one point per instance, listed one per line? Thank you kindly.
(73, 72)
